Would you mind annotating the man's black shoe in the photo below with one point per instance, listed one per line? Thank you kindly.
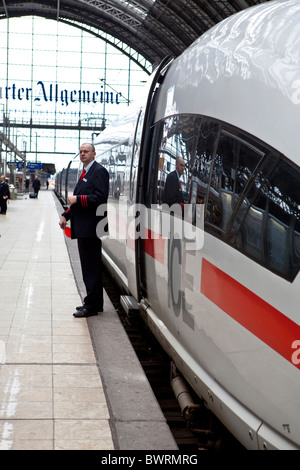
(80, 307)
(84, 313)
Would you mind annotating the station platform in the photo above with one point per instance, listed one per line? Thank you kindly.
(65, 383)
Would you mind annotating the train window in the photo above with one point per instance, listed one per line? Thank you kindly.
(179, 138)
(72, 177)
(252, 190)
(200, 168)
(271, 228)
(120, 172)
(234, 164)
(114, 160)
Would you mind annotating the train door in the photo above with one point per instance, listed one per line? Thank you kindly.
(131, 243)
(170, 254)
(138, 175)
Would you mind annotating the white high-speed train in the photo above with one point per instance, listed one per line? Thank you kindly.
(220, 288)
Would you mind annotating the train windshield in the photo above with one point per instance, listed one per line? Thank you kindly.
(249, 191)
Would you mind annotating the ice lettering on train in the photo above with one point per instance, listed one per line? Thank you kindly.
(176, 294)
(175, 274)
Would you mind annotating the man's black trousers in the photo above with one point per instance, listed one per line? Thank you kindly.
(91, 266)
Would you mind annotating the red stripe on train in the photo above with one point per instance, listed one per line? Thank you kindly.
(257, 316)
(154, 245)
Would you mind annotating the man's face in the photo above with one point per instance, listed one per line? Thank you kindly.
(86, 154)
(180, 166)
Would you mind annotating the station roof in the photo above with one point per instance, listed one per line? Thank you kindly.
(152, 28)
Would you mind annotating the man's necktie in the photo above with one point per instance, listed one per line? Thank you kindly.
(82, 174)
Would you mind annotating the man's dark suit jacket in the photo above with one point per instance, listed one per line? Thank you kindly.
(172, 192)
(4, 189)
(91, 191)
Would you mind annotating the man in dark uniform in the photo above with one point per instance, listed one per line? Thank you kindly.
(36, 186)
(172, 191)
(91, 191)
(4, 195)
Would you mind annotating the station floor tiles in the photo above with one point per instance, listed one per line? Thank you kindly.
(51, 394)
